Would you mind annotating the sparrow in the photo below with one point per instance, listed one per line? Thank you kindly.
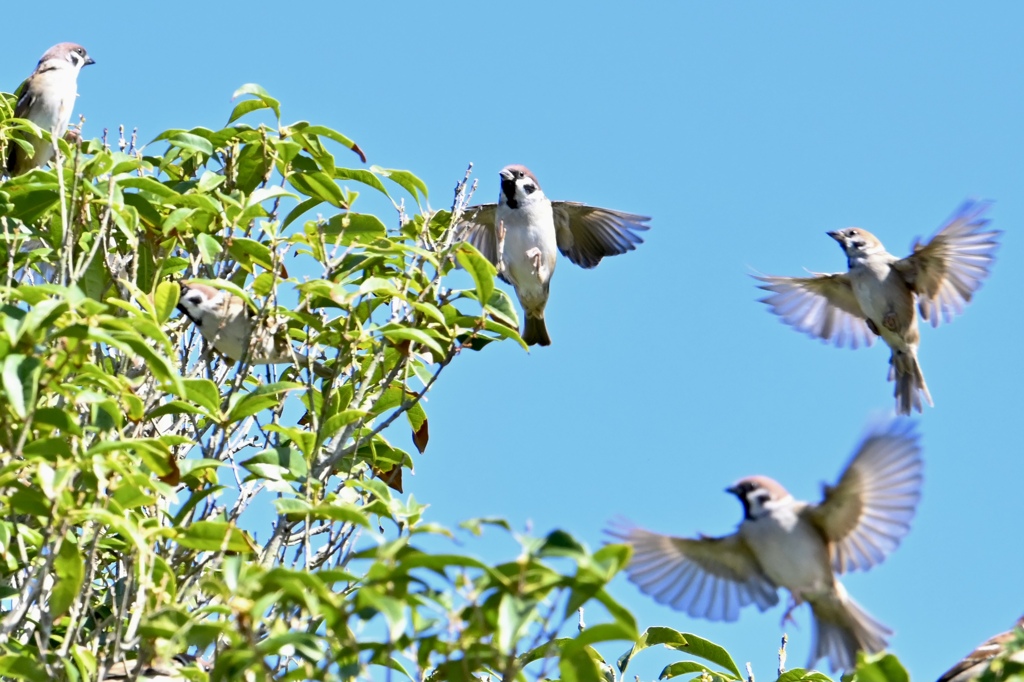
(156, 671)
(226, 322)
(876, 296)
(47, 98)
(522, 233)
(784, 542)
(975, 663)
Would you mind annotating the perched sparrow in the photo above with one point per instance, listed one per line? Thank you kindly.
(46, 99)
(521, 233)
(226, 322)
(783, 542)
(975, 663)
(877, 295)
(157, 671)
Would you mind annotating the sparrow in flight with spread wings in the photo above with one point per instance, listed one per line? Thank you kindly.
(784, 542)
(523, 232)
(876, 296)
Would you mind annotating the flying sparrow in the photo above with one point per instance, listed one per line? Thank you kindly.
(47, 99)
(226, 322)
(975, 663)
(522, 233)
(876, 296)
(784, 542)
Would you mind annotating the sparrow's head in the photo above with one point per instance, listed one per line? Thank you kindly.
(759, 495)
(857, 242)
(197, 301)
(67, 52)
(518, 186)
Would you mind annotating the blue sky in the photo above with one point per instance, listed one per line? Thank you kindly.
(746, 130)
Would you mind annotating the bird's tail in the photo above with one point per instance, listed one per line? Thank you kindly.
(535, 332)
(841, 629)
(910, 386)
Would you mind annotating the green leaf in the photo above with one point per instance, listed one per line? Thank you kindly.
(479, 268)
(801, 675)
(277, 463)
(319, 185)
(192, 143)
(20, 378)
(246, 405)
(881, 667)
(70, 569)
(166, 300)
(215, 536)
(261, 95)
(209, 248)
(404, 179)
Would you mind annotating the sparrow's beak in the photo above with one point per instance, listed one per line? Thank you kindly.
(506, 175)
(88, 61)
(732, 490)
(837, 235)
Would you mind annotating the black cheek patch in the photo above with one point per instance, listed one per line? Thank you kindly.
(508, 188)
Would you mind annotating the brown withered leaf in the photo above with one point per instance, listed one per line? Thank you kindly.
(421, 436)
(172, 477)
(391, 478)
(359, 151)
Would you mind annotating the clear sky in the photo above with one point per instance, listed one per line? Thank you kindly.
(746, 130)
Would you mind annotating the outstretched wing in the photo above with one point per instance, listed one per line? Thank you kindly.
(868, 512)
(709, 578)
(586, 234)
(822, 306)
(947, 270)
(477, 228)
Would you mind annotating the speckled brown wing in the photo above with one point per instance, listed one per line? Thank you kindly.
(586, 234)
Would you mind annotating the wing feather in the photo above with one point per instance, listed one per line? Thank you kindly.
(586, 234)
(947, 270)
(869, 510)
(709, 578)
(823, 306)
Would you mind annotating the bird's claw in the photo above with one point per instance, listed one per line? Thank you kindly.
(535, 257)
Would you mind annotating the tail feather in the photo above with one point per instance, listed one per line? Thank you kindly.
(535, 332)
(841, 629)
(905, 370)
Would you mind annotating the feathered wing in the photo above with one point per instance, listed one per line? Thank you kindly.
(586, 234)
(975, 663)
(866, 514)
(709, 578)
(21, 110)
(947, 270)
(477, 228)
(823, 306)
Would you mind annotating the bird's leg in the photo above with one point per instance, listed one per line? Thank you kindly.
(873, 327)
(501, 248)
(536, 257)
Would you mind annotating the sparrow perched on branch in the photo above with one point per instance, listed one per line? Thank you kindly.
(876, 296)
(227, 323)
(784, 542)
(47, 99)
(975, 663)
(523, 232)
